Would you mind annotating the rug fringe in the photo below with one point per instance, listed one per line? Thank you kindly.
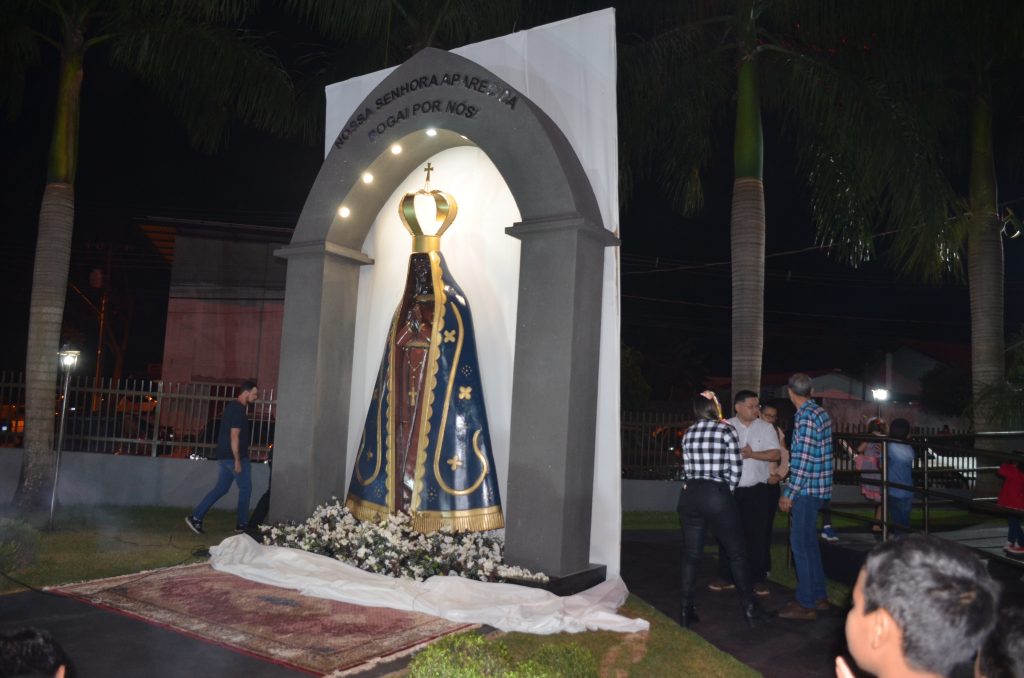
(140, 574)
(412, 649)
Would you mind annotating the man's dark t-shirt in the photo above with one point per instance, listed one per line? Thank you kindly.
(234, 417)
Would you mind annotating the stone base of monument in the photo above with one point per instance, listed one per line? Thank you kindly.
(568, 584)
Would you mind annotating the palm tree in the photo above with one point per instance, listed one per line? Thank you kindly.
(195, 56)
(722, 60)
(952, 70)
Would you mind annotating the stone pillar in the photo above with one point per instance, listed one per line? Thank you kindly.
(314, 383)
(554, 398)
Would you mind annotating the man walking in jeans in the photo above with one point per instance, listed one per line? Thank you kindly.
(810, 486)
(232, 460)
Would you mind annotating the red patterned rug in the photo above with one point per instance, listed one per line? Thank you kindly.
(312, 634)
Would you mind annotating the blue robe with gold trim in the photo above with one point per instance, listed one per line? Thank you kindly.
(454, 483)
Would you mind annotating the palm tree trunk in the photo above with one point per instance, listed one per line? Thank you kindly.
(748, 235)
(984, 263)
(50, 282)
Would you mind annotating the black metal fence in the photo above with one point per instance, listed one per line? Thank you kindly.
(139, 417)
(651, 450)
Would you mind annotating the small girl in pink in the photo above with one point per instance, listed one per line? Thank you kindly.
(1012, 497)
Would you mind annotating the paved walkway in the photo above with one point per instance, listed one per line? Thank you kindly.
(103, 643)
(651, 568)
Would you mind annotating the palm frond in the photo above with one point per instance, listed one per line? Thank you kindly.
(210, 75)
(870, 152)
(20, 24)
(687, 76)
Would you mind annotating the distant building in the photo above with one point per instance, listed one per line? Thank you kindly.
(226, 300)
(848, 399)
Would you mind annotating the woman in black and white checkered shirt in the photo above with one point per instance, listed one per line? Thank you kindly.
(711, 471)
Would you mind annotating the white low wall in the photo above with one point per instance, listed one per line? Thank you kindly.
(92, 479)
(117, 480)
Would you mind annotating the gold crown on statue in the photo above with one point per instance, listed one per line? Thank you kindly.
(445, 209)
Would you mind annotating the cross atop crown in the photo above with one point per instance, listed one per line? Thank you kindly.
(445, 209)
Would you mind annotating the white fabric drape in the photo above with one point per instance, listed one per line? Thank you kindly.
(508, 607)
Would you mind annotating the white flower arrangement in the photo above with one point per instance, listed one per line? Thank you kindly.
(394, 549)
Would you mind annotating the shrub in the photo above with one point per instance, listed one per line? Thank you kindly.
(468, 655)
(565, 661)
(473, 656)
(18, 544)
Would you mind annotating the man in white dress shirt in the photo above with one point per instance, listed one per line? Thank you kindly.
(756, 497)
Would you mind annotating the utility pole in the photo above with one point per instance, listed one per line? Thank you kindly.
(105, 284)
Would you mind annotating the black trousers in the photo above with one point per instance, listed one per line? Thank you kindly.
(757, 505)
(704, 504)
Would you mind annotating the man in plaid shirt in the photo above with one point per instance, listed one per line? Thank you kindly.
(810, 486)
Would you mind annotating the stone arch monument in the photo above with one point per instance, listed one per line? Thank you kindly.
(555, 372)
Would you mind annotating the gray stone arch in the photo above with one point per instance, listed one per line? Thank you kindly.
(555, 375)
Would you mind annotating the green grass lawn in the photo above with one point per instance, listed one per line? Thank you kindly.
(666, 650)
(105, 542)
(91, 543)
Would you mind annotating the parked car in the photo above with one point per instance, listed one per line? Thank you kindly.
(119, 433)
(261, 441)
(12, 425)
(652, 454)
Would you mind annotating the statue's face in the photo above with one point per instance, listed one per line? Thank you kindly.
(421, 274)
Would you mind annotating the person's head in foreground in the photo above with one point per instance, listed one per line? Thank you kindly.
(921, 606)
(1002, 655)
(33, 652)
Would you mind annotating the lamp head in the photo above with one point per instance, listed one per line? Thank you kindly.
(68, 358)
(880, 394)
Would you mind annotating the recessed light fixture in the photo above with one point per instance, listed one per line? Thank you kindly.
(343, 212)
(395, 149)
(431, 132)
(367, 178)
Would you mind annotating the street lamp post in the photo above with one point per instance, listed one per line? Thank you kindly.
(68, 359)
(880, 395)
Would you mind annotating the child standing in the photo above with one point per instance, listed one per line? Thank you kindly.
(868, 462)
(900, 458)
(1012, 497)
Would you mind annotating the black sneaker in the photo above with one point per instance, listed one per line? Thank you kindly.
(241, 528)
(194, 525)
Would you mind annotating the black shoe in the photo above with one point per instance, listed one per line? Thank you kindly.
(195, 525)
(755, 614)
(688, 616)
(241, 528)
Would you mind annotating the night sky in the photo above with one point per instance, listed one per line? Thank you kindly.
(135, 162)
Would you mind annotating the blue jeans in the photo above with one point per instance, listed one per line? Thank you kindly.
(803, 538)
(225, 476)
(1014, 535)
(899, 513)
